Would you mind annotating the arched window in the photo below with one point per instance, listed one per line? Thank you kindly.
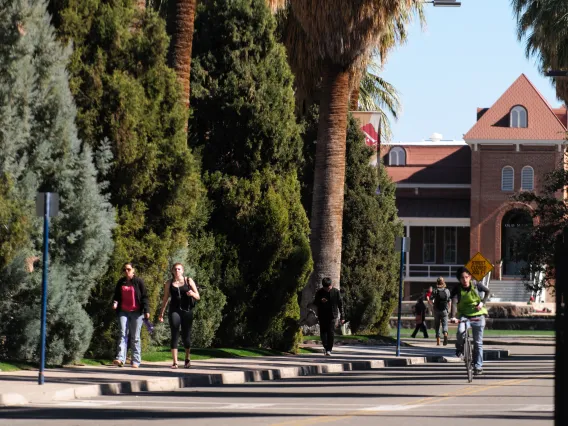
(507, 178)
(397, 157)
(527, 178)
(518, 117)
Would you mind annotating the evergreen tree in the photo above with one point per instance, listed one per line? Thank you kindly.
(40, 151)
(369, 266)
(243, 126)
(126, 93)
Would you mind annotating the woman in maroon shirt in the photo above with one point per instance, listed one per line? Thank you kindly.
(131, 301)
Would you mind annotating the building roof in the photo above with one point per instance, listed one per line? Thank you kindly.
(544, 122)
(433, 207)
(431, 165)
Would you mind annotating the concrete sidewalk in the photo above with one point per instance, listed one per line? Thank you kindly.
(20, 387)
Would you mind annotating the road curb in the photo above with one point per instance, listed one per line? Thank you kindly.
(227, 378)
(12, 399)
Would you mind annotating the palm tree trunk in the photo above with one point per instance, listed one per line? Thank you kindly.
(181, 20)
(562, 90)
(329, 180)
(354, 99)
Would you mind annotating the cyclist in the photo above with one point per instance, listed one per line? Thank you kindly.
(471, 310)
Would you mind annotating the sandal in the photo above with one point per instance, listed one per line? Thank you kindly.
(187, 363)
(174, 365)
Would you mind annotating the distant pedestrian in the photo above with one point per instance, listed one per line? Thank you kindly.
(330, 310)
(420, 312)
(131, 302)
(442, 306)
(428, 298)
(182, 293)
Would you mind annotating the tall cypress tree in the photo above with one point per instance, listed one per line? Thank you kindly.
(40, 151)
(126, 94)
(369, 264)
(244, 128)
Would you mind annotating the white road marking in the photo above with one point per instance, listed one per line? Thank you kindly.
(535, 408)
(390, 408)
(245, 406)
(87, 403)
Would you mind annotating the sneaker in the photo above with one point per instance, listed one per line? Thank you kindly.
(327, 353)
(118, 363)
(458, 353)
(477, 371)
(135, 365)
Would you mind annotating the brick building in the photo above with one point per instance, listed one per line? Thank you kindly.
(454, 197)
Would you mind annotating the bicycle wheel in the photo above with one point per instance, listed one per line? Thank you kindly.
(468, 356)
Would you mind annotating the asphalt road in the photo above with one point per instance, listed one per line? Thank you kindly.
(518, 391)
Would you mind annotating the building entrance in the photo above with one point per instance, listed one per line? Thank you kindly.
(516, 223)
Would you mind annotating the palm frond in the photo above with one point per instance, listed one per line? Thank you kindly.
(543, 24)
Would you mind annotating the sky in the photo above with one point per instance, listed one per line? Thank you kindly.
(465, 58)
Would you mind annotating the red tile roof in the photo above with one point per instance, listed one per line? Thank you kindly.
(544, 122)
(433, 165)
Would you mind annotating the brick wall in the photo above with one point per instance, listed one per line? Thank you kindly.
(488, 202)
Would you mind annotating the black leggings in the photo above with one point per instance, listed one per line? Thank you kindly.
(327, 327)
(184, 319)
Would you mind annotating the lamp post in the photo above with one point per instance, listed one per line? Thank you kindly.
(444, 3)
(556, 73)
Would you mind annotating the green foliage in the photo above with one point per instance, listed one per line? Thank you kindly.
(255, 245)
(14, 225)
(369, 270)
(40, 151)
(127, 95)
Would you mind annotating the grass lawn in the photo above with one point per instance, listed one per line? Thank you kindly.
(164, 354)
(406, 332)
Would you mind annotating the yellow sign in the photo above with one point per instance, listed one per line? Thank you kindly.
(479, 266)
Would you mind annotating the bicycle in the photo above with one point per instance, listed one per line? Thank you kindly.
(467, 349)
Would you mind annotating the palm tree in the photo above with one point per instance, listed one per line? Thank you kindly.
(341, 35)
(376, 94)
(544, 25)
(180, 24)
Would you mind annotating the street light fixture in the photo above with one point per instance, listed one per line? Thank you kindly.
(556, 73)
(445, 3)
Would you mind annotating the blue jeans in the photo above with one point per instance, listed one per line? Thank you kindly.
(477, 325)
(130, 326)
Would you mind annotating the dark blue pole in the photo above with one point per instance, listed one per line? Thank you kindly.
(41, 377)
(400, 299)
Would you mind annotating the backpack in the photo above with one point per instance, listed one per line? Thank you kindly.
(441, 300)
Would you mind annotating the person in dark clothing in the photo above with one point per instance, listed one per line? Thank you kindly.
(131, 302)
(330, 309)
(183, 293)
(420, 311)
(442, 307)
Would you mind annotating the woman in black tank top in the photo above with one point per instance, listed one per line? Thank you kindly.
(182, 293)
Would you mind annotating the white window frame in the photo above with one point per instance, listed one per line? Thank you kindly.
(455, 244)
(397, 156)
(517, 114)
(424, 244)
(523, 183)
(512, 179)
